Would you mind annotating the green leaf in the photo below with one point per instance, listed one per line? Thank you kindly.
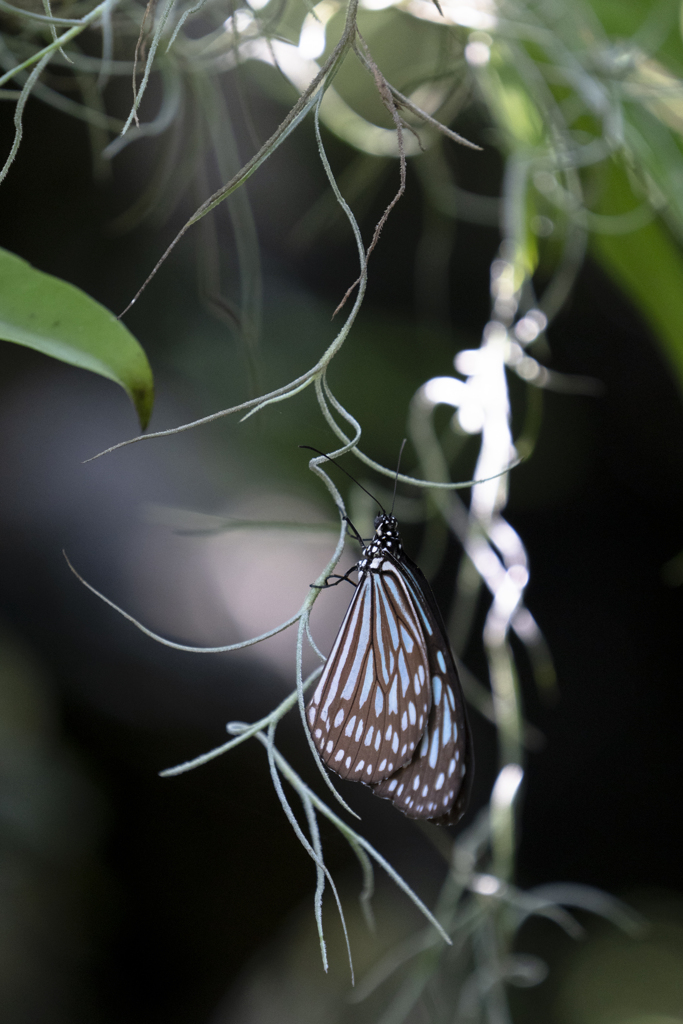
(648, 266)
(58, 319)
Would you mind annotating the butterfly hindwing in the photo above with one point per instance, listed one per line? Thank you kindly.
(434, 785)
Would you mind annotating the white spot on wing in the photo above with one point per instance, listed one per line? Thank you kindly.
(434, 749)
(441, 661)
(446, 723)
(407, 639)
(379, 701)
(339, 718)
(391, 620)
(393, 587)
(440, 781)
(368, 680)
(425, 621)
(380, 605)
(411, 713)
(368, 736)
(393, 698)
(403, 673)
(349, 726)
(436, 689)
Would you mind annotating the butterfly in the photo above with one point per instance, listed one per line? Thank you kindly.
(389, 710)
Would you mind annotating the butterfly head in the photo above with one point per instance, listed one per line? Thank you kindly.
(387, 537)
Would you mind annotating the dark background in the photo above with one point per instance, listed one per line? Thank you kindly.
(136, 898)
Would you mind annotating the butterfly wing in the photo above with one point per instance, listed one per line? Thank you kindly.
(370, 708)
(435, 784)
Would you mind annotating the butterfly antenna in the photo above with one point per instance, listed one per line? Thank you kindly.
(317, 450)
(398, 466)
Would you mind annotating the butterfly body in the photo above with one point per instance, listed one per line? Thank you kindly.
(388, 710)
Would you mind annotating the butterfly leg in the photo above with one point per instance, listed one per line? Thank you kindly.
(337, 577)
(354, 532)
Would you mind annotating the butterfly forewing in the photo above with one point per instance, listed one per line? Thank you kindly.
(369, 710)
(435, 783)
